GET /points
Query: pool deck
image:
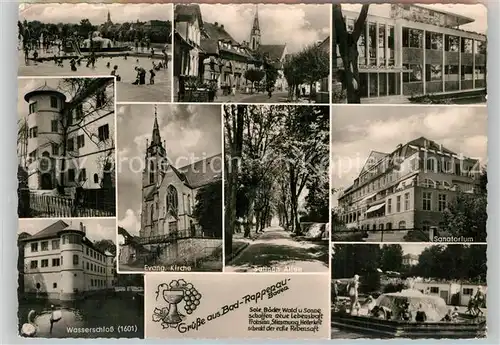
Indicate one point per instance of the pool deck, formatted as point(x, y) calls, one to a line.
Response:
point(126, 91)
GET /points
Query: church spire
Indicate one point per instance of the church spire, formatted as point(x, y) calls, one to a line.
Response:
point(256, 26)
point(109, 17)
point(255, 33)
point(155, 138)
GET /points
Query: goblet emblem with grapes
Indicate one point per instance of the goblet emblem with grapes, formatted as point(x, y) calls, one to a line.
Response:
point(173, 293)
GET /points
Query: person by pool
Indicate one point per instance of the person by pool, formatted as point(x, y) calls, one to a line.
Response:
point(141, 76)
point(152, 77)
point(115, 73)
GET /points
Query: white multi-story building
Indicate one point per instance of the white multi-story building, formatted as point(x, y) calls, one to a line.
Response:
point(70, 142)
point(60, 262)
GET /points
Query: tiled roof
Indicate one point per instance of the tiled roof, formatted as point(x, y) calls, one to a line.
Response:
point(212, 34)
point(217, 32)
point(203, 172)
point(210, 47)
point(420, 142)
point(50, 231)
point(273, 51)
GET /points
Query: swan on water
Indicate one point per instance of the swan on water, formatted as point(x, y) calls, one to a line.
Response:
point(30, 328)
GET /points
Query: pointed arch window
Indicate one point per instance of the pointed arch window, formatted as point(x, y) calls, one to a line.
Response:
point(172, 201)
point(151, 172)
point(152, 214)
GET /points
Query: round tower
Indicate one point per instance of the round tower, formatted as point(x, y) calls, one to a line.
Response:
point(72, 281)
point(43, 126)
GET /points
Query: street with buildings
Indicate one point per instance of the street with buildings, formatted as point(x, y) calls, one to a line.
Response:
point(217, 63)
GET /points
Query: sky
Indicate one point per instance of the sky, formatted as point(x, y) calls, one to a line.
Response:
point(477, 12)
point(297, 26)
point(97, 229)
point(96, 13)
point(191, 132)
point(356, 131)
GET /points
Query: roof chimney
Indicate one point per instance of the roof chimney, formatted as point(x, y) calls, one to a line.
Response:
point(425, 143)
point(440, 147)
point(82, 228)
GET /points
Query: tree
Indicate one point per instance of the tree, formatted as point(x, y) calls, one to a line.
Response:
point(208, 209)
point(233, 123)
point(349, 259)
point(308, 66)
point(88, 101)
point(457, 261)
point(467, 216)
point(254, 75)
point(391, 257)
point(86, 28)
point(348, 48)
point(106, 246)
point(271, 74)
point(316, 200)
point(305, 150)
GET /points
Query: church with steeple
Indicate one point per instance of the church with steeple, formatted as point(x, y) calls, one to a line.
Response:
point(169, 191)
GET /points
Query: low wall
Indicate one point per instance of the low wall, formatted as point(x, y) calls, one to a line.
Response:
point(189, 250)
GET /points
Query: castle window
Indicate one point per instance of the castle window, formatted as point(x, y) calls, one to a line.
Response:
point(172, 201)
point(45, 262)
point(53, 102)
point(45, 245)
point(75, 260)
point(402, 225)
point(56, 262)
point(55, 149)
point(80, 141)
point(83, 175)
point(54, 285)
point(54, 126)
point(34, 247)
point(78, 112)
point(103, 132)
point(96, 178)
point(34, 264)
point(33, 107)
point(100, 99)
